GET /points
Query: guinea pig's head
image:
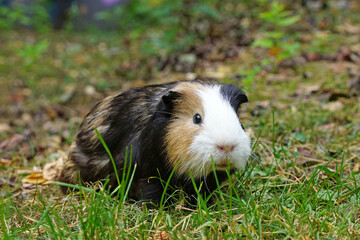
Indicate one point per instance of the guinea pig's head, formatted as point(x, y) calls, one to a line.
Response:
point(204, 126)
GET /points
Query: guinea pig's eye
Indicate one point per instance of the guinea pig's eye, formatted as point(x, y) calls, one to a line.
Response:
point(197, 119)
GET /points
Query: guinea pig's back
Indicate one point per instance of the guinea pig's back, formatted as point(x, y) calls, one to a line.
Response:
point(120, 119)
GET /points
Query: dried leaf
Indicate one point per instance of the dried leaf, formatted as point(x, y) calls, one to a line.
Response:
point(54, 142)
point(333, 106)
point(307, 156)
point(139, 83)
point(348, 28)
point(331, 95)
point(314, 56)
point(343, 54)
point(218, 73)
point(356, 167)
point(275, 51)
point(16, 97)
point(308, 90)
point(52, 114)
point(237, 217)
point(51, 170)
point(276, 78)
point(4, 127)
point(4, 162)
point(327, 127)
point(26, 118)
point(12, 142)
point(330, 127)
point(340, 67)
point(35, 178)
point(290, 62)
point(355, 47)
point(161, 236)
point(17, 143)
point(90, 90)
point(69, 93)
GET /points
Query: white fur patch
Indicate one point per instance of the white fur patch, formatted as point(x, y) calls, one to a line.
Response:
point(102, 129)
point(101, 163)
point(220, 127)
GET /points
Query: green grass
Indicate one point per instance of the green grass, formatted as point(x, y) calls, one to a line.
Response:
point(273, 198)
point(264, 204)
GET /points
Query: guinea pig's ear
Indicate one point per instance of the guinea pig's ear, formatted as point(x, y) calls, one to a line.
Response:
point(234, 95)
point(239, 99)
point(169, 98)
point(242, 98)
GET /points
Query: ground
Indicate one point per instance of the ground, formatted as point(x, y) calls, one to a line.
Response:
point(303, 118)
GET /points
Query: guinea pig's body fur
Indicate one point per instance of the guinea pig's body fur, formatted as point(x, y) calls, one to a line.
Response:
point(183, 125)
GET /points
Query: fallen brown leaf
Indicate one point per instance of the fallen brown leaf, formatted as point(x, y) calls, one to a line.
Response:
point(276, 78)
point(17, 143)
point(4, 162)
point(139, 83)
point(355, 47)
point(217, 73)
point(290, 62)
point(340, 67)
point(22, 171)
point(348, 28)
point(52, 114)
point(51, 170)
point(306, 152)
point(161, 236)
point(238, 216)
point(54, 142)
point(333, 106)
point(308, 90)
point(12, 142)
point(356, 167)
point(330, 127)
point(4, 127)
point(35, 178)
point(69, 93)
point(327, 127)
point(16, 97)
point(314, 56)
point(307, 157)
point(90, 90)
point(331, 95)
point(343, 54)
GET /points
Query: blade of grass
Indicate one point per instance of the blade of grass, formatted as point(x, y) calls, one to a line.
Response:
point(109, 153)
point(4, 228)
point(167, 185)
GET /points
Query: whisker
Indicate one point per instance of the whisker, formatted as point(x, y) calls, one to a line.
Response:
point(205, 177)
point(255, 157)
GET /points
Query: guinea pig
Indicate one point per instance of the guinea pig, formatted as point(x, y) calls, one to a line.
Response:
point(184, 127)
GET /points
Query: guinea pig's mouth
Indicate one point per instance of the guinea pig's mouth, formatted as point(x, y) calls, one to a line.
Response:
point(223, 164)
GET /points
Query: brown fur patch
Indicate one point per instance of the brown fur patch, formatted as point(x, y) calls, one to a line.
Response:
point(181, 130)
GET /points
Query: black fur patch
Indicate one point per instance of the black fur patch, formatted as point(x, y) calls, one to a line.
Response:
point(234, 95)
point(169, 98)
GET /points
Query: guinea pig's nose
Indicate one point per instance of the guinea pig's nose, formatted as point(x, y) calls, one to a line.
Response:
point(226, 148)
